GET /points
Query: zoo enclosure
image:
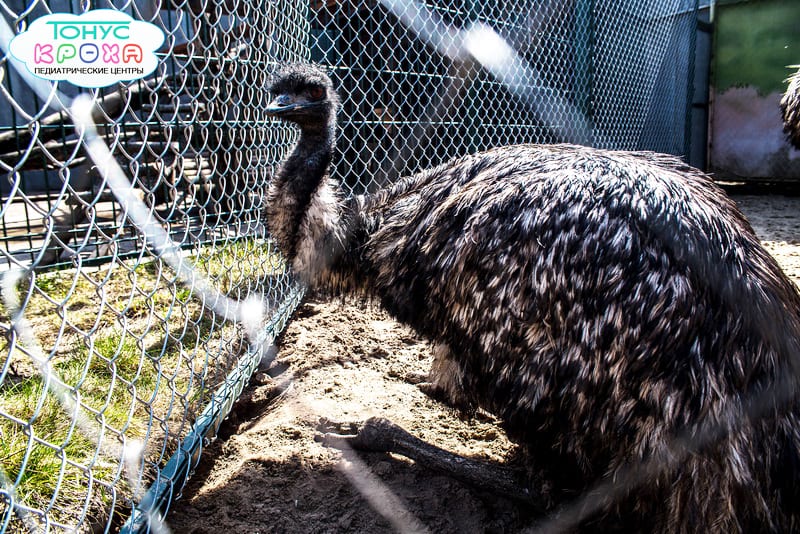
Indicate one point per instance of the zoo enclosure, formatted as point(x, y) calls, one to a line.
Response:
point(108, 348)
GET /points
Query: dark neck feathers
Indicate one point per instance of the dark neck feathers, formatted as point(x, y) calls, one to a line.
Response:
point(304, 206)
point(307, 166)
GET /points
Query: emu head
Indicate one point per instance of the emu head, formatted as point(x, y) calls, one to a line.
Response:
point(303, 94)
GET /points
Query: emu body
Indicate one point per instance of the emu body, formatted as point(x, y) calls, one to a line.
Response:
point(600, 303)
point(790, 110)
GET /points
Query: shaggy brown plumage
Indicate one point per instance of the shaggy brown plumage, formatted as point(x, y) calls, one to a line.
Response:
point(790, 109)
point(601, 303)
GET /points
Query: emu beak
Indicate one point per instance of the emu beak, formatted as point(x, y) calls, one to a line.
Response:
point(280, 105)
point(286, 104)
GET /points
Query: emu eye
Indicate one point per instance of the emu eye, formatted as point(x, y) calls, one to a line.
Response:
point(316, 93)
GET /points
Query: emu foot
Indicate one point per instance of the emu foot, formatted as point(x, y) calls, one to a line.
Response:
point(435, 391)
point(381, 435)
point(432, 390)
point(416, 377)
point(423, 382)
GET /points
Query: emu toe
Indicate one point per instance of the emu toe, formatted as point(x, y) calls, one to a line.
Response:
point(375, 434)
point(416, 377)
point(430, 388)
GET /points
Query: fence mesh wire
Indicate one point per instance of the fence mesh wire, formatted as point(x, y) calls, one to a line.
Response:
point(620, 69)
point(138, 353)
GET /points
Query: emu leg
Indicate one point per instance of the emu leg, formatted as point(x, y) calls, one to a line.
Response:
point(377, 434)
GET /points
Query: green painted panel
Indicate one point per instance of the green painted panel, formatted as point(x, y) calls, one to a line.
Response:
point(754, 43)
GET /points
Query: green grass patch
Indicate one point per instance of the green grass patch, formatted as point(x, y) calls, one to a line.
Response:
point(139, 356)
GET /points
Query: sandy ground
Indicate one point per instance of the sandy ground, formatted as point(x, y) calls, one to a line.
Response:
point(347, 362)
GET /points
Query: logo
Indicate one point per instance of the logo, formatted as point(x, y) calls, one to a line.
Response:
point(93, 49)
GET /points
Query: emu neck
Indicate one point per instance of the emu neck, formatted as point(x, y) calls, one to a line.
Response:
point(307, 166)
point(304, 208)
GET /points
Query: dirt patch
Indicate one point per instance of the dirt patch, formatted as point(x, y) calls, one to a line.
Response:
point(347, 362)
point(776, 220)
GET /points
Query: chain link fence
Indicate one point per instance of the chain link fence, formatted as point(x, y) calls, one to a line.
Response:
point(608, 73)
point(106, 351)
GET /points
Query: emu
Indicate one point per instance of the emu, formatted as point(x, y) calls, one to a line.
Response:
point(790, 108)
point(611, 308)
